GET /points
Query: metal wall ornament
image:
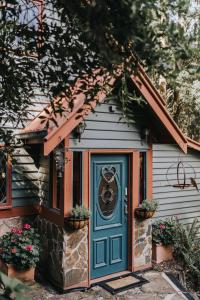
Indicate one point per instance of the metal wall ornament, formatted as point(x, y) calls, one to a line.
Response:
point(183, 179)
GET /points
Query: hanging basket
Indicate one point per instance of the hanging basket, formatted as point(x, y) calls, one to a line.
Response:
point(142, 213)
point(76, 223)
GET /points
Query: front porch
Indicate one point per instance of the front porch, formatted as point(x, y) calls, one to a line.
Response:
point(158, 288)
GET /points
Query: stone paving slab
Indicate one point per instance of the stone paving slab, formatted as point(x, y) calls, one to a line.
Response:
point(157, 289)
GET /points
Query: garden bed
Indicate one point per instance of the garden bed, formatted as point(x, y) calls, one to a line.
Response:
point(174, 268)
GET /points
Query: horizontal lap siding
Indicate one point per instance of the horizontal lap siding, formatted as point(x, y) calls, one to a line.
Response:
point(106, 130)
point(37, 104)
point(24, 179)
point(39, 100)
point(173, 201)
point(30, 178)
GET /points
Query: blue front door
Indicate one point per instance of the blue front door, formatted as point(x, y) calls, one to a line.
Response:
point(109, 224)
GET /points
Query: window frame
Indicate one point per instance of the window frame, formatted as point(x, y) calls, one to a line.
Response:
point(8, 204)
point(55, 203)
point(143, 174)
point(77, 188)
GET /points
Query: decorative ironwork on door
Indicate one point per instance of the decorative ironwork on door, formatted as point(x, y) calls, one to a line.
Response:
point(108, 191)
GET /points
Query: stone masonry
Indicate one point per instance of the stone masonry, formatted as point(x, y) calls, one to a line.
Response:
point(64, 256)
point(142, 243)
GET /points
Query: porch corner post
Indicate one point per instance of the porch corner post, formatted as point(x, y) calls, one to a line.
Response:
point(149, 173)
point(135, 196)
point(142, 240)
point(86, 175)
point(86, 201)
point(68, 180)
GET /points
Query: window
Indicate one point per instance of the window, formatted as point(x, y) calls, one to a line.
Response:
point(22, 19)
point(143, 176)
point(57, 176)
point(56, 182)
point(5, 181)
point(77, 178)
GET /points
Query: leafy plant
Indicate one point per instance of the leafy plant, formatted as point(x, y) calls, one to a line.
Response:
point(80, 212)
point(187, 250)
point(164, 34)
point(12, 288)
point(163, 231)
point(149, 204)
point(20, 247)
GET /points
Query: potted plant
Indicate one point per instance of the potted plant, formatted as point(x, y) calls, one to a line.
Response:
point(19, 252)
point(147, 209)
point(163, 233)
point(79, 217)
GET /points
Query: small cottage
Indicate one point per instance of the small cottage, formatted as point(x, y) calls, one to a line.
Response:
point(96, 158)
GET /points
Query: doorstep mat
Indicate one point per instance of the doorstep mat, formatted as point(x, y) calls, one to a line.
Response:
point(123, 283)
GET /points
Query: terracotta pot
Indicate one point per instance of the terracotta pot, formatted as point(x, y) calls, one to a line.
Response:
point(75, 224)
point(11, 271)
point(161, 253)
point(143, 214)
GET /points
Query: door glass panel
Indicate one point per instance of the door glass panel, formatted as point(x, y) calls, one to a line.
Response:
point(108, 191)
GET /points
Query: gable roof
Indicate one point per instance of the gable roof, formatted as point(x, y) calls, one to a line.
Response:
point(193, 144)
point(67, 122)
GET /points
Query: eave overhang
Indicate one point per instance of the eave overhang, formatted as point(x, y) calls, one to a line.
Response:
point(66, 124)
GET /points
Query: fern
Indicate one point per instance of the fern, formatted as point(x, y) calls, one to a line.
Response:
point(187, 250)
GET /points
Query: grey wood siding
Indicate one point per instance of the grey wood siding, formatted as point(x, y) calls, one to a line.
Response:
point(29, 178)
point(24, 179)
point(173, 201)
point(109, 131)
point(38, 102)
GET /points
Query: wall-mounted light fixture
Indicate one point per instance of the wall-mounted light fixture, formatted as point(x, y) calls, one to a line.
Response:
point(79, 130)
point(59, 159)
point(145, 134)
point(111, 109)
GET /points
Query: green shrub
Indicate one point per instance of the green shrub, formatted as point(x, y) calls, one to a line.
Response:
point(12, 288)
point(80, 212)
point(163, 231)
point(149, 204)
point(187, 250)
point(20, 247)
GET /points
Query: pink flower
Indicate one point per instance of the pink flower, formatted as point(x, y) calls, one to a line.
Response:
point(27, 226)
point(14, 230)
point(29, 248)
point(162, 226)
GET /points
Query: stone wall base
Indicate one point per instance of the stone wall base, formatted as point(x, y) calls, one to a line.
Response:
point(64, 257)
point(142, 243)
